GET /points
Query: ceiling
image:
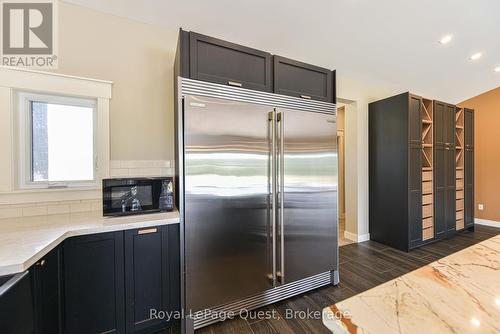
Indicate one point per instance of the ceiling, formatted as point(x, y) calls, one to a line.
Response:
point(392, 42)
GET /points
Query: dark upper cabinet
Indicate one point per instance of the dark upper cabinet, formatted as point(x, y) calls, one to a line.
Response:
point(47, 296)
point(215, 60)
point(302, 80)
point(16, 304)
point(94, 284)
point(148, 258)
point(210, 59)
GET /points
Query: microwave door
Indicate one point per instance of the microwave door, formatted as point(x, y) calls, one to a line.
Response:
point(226, 208)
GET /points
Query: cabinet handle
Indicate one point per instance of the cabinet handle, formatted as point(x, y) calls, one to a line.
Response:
point(307, 97)
point(234, 83)
point(147, 231)
point(41, 263)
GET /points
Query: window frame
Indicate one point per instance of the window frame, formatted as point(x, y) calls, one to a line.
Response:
point(25, 149)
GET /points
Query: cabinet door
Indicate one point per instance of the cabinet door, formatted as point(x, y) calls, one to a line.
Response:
point(16, 304)
point(227, 63)
point(94, 284)
point(147, 277)
point(469, 167)
point(174, 263)
point(450, 167)
point(46, 286)
point(415, 122)
point(302, 80)
point(439, 169)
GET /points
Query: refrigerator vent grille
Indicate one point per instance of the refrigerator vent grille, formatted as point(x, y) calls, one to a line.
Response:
point(201, 88)
point(267, 297)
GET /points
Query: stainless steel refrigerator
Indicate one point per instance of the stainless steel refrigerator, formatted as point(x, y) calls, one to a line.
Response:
point(257, 197)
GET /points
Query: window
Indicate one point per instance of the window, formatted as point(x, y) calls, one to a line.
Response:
point(57, 141)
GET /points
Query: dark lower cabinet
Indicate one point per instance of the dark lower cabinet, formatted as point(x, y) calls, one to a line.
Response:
point(150, 285)
point(16, 304)
point(47, 296)
point(94, 284)
point(100, 283)
point(115, 282)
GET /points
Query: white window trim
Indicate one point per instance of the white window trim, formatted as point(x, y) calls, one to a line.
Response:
point(22, 108)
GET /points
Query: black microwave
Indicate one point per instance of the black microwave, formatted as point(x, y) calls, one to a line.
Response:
point(129, 196)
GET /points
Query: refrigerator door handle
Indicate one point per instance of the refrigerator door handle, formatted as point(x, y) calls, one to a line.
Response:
point(281, 193)
point(274, 187)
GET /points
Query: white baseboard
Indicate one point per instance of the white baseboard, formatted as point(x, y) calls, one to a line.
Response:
point(356, 237)
point(487, 222)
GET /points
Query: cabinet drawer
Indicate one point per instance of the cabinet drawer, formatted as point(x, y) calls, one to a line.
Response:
point(427, 199)
point(460, 215)
point(460, 174)
point(427, 187)
point(303, 80)
point(460, 204)
point(428, 233)
point(460, 224)
point(427, 211)
point(427, 222)
point(426, 176)
point(226, 63)
point(460, 184)
point(460, 194)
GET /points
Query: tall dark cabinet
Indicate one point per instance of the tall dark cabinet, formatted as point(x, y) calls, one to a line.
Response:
point(417, 157)
point(444, 174)
point(468, 167)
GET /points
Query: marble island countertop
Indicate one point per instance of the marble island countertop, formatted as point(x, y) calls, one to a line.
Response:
point(457, 294)
point(25, 240)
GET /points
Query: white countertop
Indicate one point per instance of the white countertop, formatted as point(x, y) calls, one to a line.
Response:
point(25, 240)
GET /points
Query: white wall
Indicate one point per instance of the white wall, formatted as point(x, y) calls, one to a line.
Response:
point(139, 57)
point(356, 155)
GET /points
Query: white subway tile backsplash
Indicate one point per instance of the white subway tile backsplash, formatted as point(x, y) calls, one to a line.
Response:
point(34, 211)
point(89, 202)
point(145, 172)
point(96, 206)
point(11, 212)
point(115, 164)
point(137, 168)
point(81, 207)
point(118, 172)
point(58, 209)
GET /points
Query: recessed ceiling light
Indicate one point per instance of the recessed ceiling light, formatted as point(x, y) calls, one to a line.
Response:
point(497, 69)
point(476, 56)
point(446, 39)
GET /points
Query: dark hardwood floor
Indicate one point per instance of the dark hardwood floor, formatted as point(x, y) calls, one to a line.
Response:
point(362, 266)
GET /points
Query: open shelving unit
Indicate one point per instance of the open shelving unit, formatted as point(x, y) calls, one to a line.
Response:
point(427, 170)
point(459, 163)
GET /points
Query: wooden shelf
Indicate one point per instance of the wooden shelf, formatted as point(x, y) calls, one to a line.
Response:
point(426, 121)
